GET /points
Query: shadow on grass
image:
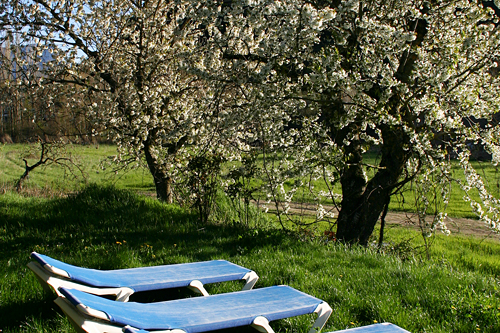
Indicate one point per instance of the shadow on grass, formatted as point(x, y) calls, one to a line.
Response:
point(106, 228)
point(106, 216)
point(15, 315)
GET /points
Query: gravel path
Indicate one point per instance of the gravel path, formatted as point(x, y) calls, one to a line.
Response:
point(463, 226)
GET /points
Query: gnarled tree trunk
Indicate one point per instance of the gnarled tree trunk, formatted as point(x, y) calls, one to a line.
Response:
point(163, 182)
point(364, 200)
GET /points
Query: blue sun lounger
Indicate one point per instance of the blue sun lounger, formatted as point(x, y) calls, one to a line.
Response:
point(375, 328)
point(124, 282)
point(257, 307)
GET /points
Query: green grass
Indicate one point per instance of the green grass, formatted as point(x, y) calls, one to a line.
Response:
point(466, 252)
point(107, 228)
point(93, 160)
point(457, 207)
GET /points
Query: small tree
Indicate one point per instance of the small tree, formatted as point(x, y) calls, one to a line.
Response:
point(203, 182)
point(240, 189)
point(50, 153)
point(131, 57)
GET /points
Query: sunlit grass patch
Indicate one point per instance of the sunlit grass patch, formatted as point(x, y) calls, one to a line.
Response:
point(93, 166)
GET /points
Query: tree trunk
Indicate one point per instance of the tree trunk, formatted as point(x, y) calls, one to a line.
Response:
point(163, 187)
point(28, 169)
point(363, 201)
point(163, 182)
point(359, 214)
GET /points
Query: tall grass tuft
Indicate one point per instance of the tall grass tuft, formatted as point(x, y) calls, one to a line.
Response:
point(236, 212)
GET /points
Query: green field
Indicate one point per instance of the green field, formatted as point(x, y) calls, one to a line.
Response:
point(405, 201)
point(94, 161)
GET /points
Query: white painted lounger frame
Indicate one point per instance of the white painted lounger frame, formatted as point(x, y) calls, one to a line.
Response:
point(88, 320)
point(55, 278)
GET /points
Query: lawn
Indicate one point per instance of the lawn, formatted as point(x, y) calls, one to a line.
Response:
point(93, 163)
point(456, 290)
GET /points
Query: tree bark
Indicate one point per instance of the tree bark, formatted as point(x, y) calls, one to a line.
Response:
point(163, 182)
point(364, 201)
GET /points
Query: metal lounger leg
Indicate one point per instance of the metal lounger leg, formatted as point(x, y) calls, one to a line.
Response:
point(197, 286)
